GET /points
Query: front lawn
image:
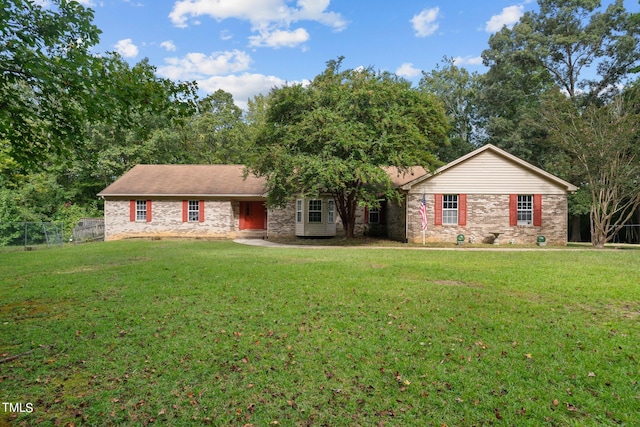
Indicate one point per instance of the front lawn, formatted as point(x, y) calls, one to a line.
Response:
point(198, 332)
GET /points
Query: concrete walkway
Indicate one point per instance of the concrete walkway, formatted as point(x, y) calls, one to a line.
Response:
point(477, 247)
point(259, 242)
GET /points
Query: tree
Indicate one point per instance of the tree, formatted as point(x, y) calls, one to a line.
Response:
point(555, 47)
point(605, 143)
point(219, 132)
point(569, 37)
point(142, 121)
point(46, 87)
point(458, 90)
point(335, 135)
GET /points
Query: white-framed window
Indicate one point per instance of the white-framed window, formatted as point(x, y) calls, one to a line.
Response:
point(374, 215)
point(525, 209)
point(449, 209)
point(299, 211)
point(193, 213)
point(141, 210)
point(315, 210)
point(331, 211)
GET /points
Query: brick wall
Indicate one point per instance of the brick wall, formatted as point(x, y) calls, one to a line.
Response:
point(220, 220)
point(282, 222)
point(489, 213)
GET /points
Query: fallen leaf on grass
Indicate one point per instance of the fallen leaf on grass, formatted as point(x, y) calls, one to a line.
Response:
point(571, 408)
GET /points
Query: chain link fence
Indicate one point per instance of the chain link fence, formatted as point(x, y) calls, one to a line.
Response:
point(31, 235)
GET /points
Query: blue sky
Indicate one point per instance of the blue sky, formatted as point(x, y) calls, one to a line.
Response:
point(246, 47)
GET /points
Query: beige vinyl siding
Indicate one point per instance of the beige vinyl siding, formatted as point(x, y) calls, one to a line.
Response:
point(315, 229)
point(488, 173)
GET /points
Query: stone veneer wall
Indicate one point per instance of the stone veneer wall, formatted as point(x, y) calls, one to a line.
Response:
point(220, 220)
point(489, 213)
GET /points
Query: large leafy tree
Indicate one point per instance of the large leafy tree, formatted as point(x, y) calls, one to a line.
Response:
point(46, 69)
point(143, 121)
point(586, 51)
point(335, 135)
point(573, 46)
point(218, 132)
point(458, 90)
point(605, 144)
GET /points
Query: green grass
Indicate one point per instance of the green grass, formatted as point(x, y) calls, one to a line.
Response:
point(196, 332)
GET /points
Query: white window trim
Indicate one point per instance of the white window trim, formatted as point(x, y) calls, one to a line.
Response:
point(141, 210)
point(299, 212)
point(314, 211)
point(331, 211)
point(523, 210)
point(448, 212)
point(193, 215)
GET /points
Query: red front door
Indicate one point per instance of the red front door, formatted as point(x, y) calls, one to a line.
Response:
point(253, 216)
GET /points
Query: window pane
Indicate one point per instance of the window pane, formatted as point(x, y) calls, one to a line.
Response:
point(374, 216)
point(449, 208)
point(194, 211)
point(141, 210)
point(330, 212)
point(299, 211)
point(525, 209)
point(315, 210)
point(449, 216)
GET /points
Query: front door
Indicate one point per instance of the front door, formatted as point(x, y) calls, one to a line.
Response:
point(253, 216)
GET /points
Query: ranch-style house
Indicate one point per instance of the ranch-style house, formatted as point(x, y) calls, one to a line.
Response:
point(485, 195)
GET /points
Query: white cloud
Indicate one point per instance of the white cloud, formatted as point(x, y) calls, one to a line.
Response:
point(195, 66)
point(243, 87)
point(509, 16)
point(425, 23)
point(126, 48)
point(169, 45)
point(271, 19)
point(258, 12)
point(222, 70)
point(225, 35)
point(408, 70)
point(467, 60)
point(279, 38)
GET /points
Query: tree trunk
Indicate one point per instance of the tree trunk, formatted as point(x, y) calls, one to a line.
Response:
point(346, 206)
point(598, 231)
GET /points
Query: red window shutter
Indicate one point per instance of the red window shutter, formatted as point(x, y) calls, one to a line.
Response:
point(513, 210)
point(201, 213)
point(132, 210)
point(537, 210)
point(462, 209)
point(366, 215)
point(148, 210)
point(438, 209)
point(185, 211)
